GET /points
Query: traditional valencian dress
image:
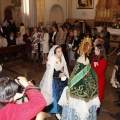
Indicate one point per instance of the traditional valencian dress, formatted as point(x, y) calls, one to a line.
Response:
point(51, 85)
point(80, 99)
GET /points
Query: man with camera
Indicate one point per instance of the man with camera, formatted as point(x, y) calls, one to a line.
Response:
point(9, 94)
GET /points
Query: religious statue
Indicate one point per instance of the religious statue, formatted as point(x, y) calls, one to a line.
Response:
point(82, 89)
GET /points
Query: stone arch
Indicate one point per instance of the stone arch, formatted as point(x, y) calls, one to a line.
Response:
point(56, 14)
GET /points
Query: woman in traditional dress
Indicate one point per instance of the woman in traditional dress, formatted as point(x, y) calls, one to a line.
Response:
point(54, 79)
point(80, 99)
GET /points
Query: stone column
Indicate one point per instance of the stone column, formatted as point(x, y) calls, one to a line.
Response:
point(33, 12)
point(40, 11)
point(69, 8)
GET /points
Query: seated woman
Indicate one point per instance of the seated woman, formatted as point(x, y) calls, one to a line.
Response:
point(80, 99)
point(54, 79)
point(19, 39)
point(8, 96)
point(3, 41)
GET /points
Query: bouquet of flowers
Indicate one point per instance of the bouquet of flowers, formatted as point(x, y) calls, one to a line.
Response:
point(116, 23)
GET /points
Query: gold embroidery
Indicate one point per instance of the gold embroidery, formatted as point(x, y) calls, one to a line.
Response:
point(90, 86)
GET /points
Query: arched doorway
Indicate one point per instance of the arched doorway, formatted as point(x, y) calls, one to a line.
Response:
point(56, 14)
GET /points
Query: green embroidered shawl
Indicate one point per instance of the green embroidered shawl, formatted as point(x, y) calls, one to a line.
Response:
point(83, 82)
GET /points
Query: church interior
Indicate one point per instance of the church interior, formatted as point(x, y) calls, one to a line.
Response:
point(30, 13)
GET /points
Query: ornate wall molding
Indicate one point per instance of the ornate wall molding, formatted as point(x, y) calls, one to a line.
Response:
point(106, 10)
point(16, 3)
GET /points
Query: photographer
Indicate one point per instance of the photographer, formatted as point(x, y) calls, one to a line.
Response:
point(8, 96)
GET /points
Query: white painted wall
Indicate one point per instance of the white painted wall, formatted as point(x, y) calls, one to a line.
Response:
point(50, 3)
point(83, 13)
point(76, 13)
point(15, 11)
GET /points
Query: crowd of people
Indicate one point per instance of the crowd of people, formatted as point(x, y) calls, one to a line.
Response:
point(77, 48)
point(40, 39)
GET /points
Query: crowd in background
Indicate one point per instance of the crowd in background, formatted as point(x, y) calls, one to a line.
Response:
point(40, 39)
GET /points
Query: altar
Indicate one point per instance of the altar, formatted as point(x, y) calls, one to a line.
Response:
point(114, 36)
point(108, 14)
point(112, 31)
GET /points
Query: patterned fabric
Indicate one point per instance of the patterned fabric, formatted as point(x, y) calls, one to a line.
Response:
point(83, 82)
point(35, 40)
point(57, 89)
point(69, 113)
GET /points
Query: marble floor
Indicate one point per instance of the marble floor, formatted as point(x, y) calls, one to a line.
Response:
point(36, 70)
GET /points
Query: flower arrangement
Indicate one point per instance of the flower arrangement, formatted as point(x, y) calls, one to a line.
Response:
point(116, 23)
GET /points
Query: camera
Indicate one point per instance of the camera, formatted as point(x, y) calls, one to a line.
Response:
point(21, 87)
point(33, 82)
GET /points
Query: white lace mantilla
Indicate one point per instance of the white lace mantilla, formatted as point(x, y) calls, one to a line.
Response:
point(83, 60)
point(81, 107)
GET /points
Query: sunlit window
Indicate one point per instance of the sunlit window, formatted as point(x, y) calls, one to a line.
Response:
point(26, 6)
